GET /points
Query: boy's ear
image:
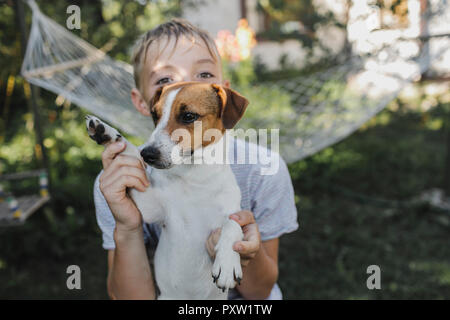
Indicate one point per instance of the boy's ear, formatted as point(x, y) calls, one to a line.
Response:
point(232, 106)
point(139, 102)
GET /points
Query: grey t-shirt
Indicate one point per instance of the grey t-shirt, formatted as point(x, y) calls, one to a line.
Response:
point(269, 196)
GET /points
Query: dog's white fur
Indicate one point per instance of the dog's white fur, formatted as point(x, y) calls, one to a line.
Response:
point(189, 201)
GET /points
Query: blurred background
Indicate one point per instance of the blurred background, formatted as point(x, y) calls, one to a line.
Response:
point(372, 190)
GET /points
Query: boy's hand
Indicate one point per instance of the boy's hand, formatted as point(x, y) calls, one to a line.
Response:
point(249, 246)
point(122, 172)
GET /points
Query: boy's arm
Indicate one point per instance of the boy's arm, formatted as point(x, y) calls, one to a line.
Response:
point(129, 274)
point(260, 275)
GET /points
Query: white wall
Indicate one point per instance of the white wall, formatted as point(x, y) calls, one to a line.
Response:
point(363, 29)
point(214, 15)
point(365, 33)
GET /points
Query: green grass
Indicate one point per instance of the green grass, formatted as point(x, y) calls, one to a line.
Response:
point(346, 224)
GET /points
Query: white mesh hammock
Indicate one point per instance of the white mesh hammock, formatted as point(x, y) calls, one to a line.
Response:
point(312, 112)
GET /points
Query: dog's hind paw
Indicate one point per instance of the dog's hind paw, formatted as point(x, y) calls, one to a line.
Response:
point(227, 268)
point(100, 132)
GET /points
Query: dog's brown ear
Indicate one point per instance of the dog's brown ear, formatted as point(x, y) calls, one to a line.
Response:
point(232, 106)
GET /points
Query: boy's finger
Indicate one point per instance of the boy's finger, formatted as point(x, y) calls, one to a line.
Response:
point(246, 247)
point(251, 233)
point(210, 248)
point(128, 171)
point(243, 217)
point(121, 161)
point(130, 182)
point(214, 236)
point(212, 241)
point(131, 161)
point(111, 152)
point(251, 242)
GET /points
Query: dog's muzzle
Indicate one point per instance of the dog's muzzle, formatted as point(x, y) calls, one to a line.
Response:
point(154, 158)
point(151, 155)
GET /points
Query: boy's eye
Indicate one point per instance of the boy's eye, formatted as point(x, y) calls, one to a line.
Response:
point(206, 75)
point(163, 81)
point(188, 117)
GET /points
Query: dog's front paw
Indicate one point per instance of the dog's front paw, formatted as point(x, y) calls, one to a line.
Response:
point(227, 269)
point(100, 132)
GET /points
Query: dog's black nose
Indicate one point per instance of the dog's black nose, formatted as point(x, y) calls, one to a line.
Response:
point(150, 154)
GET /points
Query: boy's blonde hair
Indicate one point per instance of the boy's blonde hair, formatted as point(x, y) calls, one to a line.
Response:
point(174, 28)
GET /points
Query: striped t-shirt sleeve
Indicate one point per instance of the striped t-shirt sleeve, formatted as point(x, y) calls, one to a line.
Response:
point(273, 203)
point(105, 219)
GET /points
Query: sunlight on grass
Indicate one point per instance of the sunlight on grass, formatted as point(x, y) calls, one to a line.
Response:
point(361, 297)
point(2, 264)
point(434, 124)
point(383, 119)
point(439, 270)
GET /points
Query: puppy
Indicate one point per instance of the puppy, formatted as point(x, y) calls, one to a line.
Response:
point(188, 200)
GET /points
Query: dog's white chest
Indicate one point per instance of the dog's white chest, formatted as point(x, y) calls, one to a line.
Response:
point(193, 207)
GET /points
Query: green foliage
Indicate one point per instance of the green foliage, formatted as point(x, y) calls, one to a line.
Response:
point(240, 73)
point(269, 106)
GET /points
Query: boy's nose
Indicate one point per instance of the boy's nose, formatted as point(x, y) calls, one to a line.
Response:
point(150, 154)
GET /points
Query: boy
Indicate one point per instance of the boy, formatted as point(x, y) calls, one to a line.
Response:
point(178, 51)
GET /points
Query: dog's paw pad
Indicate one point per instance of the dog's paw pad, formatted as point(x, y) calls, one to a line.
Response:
point(100, 132)
point(227, 269)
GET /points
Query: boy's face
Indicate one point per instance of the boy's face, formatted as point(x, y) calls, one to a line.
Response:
point(168, 62)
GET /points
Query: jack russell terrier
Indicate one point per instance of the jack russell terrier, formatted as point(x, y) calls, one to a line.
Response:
point(188, 200)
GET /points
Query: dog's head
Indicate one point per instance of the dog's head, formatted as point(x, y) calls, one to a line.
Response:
point(180, 110)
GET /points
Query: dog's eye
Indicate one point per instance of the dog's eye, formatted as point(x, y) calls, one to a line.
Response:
point(188, 117)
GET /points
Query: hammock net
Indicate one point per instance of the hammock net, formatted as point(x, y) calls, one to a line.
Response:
point(312, 112)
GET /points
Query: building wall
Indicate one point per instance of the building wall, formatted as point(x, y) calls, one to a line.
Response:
point(367, 35)
point(214, 15)
point(363, 30)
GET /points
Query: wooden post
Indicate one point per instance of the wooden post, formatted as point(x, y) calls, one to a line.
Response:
point(20, 17)
point(424, 31)
point(243, 6)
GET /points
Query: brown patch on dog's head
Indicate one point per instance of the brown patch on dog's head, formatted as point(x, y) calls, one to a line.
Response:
point(216, 107)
